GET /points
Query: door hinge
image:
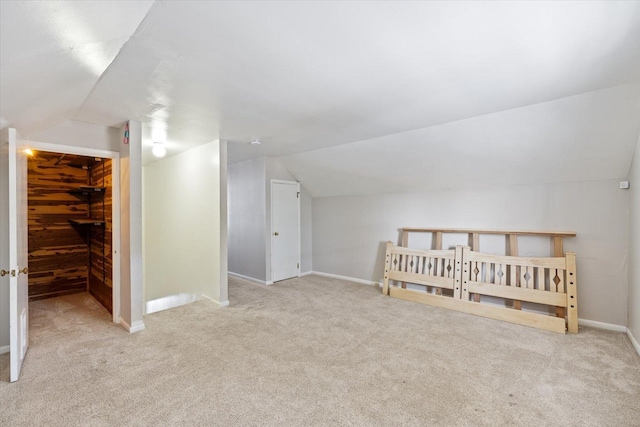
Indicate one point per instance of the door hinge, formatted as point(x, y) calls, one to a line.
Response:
point(298, 195)
point(298, 265)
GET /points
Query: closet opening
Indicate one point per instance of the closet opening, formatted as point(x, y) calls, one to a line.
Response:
point(70, 231)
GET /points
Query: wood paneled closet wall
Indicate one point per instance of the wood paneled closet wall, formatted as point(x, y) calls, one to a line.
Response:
point(70, 226)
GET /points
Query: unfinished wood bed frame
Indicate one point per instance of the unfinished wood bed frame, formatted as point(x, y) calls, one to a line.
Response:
point(460, 273)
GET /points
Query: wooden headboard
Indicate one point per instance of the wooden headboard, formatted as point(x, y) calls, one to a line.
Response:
point(460, 273)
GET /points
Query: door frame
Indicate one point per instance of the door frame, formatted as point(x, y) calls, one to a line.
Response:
point(271, 240)
point(115, 205)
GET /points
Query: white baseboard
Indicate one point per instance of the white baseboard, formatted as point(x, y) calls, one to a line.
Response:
point(218, 303)
point(306, 273)
point(138, 326)
point(170, 301)
point(4, 349)
point(602, 325)
point(251, 279)
point(633, 340)
point(350, 279)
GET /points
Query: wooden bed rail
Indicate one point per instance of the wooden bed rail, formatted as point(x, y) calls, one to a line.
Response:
point(458, 274)
point(511, 236)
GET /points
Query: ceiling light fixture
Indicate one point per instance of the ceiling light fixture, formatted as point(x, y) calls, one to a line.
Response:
point(256, 142)
point(158, 149)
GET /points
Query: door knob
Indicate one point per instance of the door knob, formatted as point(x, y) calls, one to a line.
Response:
point(4, 273)
point(276, 234)
point(23, 271)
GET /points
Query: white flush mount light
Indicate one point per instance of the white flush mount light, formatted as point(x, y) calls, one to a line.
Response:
point(158, 149)
point(256, 142)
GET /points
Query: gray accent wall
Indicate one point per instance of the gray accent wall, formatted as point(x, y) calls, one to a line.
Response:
point(249, 187)
point(349, 232)
point(247, 218)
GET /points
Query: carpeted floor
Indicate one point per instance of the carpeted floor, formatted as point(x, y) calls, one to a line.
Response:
point(314, 351)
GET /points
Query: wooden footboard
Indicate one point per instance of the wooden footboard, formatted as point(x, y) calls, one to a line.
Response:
point(546, 281)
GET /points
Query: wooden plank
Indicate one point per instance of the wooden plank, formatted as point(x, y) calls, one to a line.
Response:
point(438, 240)
point(424, 252)
point(512, 242)
point(475, 242)
point(519, 261)
point(572, 293)
point(475, 246)
point(488, 231)
point(421, 279)
point(539, 321)
point(558, 251)
point(523, 279)
point(541, 282)
point(502, 278)
point(405, 239)
point(387, 269)
point(521, 294)
point(462, 273)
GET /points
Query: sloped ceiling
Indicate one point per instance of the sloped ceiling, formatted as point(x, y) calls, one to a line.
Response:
point(53, 53)
point(304, 76)
point(584, 137)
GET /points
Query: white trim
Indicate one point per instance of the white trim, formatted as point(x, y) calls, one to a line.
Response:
point(5, 349)
point(602, 325)
point(297, 184)
point(251, 279)
point(169, 302)
point(70, 149)
point(115, 207)
point(306, 273)
point(138, 326)
point(350, 279)
point(633, 340)
point(218, 303)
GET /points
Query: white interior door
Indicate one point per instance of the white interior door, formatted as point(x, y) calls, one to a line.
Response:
point(285, 230)
point(14, 245)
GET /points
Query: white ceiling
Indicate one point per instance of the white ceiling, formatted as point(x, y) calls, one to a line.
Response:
point(301, 76)
point(591, 136)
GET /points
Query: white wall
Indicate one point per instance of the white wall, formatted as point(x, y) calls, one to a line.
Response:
point(131, 274)
point(349, 232)
point(634, 246)
point(183, 223)
point(306, 231)
point(81, 134)
point(247, 218)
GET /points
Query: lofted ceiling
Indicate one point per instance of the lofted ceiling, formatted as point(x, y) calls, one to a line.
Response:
point(302, 76)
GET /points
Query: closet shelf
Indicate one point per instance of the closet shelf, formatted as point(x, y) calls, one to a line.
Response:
point(87, 221)
point(87, 190)
point(84, 162)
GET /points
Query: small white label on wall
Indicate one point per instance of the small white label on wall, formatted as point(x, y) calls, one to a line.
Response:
point(624, 185)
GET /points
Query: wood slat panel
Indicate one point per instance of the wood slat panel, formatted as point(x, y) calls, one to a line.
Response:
point(100, 284)
point(57, 252)
point(522, 294)
point(420, 279)
point(559, 263)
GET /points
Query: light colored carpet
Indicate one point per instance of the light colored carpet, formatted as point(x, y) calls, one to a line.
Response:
point(314, 351)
